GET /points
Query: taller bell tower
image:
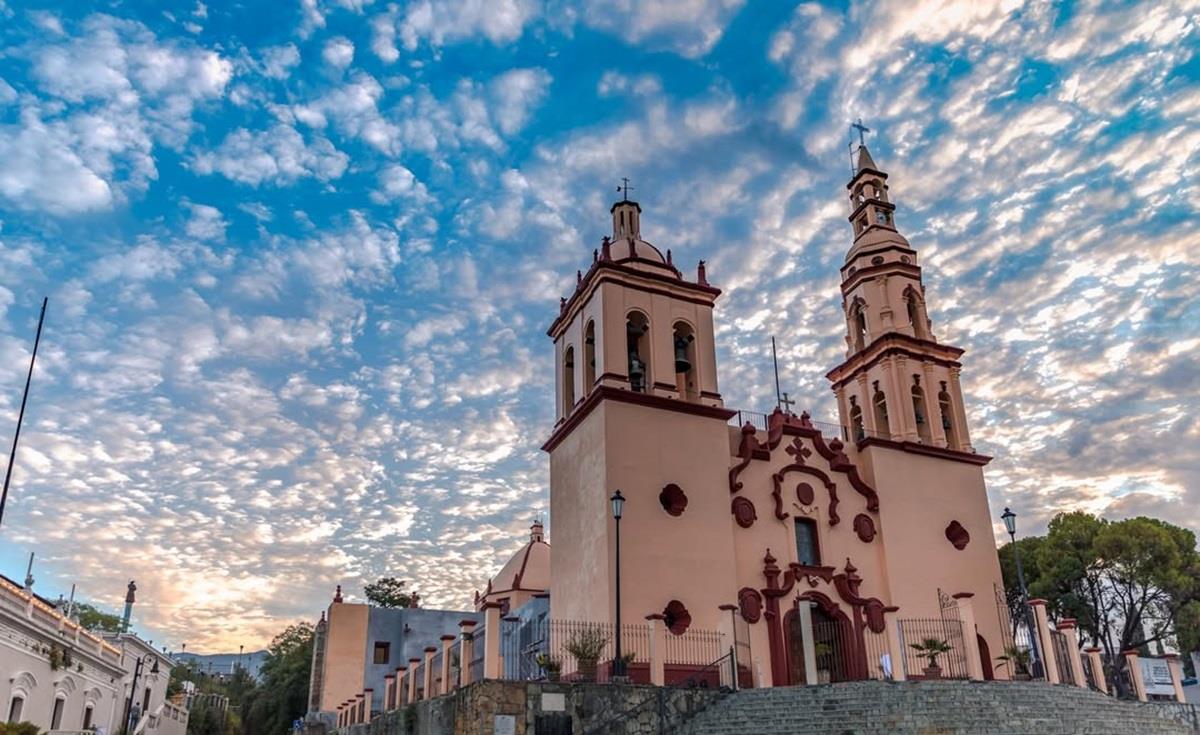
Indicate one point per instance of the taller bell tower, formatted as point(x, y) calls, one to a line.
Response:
point(898, 382)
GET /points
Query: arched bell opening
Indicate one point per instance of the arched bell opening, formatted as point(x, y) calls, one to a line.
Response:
point(683, 339)
point(589, 357)
point(879, 401)
point(856, 420)
point(568, 381)
point(637, 343)
point(918, 404)
point(858, 325)
point(945, 408)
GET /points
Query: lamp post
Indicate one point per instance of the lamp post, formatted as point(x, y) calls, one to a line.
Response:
point(137, 672)
point(1010, 525)
point(618, 507)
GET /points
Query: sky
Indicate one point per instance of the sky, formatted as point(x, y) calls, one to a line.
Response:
point(301, 256)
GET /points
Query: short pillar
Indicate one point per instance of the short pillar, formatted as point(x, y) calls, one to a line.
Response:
point(1045, 643)
point(360, 717)
point(447, 644)
point(491, 640)
point(368, 704)
point(1176, 667)
point(966, 616)
point(1097, 665)
point(895, 650)
point(467, 653)
point(658, 649)
point(398, 693)
point(804, 610)
point(1067, 626)
point(414, 665)
point(429, 693)
point(1135, 673)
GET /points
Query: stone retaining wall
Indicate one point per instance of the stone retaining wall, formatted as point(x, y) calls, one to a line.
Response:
point(576, 708)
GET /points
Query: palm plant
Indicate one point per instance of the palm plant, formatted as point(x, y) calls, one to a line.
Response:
point(930, 649)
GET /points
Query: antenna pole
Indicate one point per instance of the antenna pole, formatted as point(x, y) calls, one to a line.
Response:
point(12, 454)
point(775, 362)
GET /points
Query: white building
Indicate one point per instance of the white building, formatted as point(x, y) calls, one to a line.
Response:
point(64, 679)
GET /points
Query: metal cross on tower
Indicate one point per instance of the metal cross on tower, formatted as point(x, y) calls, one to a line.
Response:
point(787, 403)
point(625, 188)
point(858, 125)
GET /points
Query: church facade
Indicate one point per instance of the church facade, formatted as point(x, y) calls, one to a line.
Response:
point(769, 528)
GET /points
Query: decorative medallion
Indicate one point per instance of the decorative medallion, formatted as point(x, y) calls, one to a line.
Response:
point(864, 527)
point(673, 499)
point(957, 535)
point(877, 260)
point(874, 610)
point(805, 494)
point(750, 604)
point(676, 617)
point(743, 512)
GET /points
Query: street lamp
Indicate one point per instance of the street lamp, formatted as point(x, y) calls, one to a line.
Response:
point(618, 507)
point(137, 672)
point(1010, 525)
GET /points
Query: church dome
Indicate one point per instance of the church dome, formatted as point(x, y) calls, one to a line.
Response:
point(627, 248)
point(527, 571)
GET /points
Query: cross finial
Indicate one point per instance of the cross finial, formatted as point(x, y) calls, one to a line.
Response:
point(624, 188)
point(787, 403)
point(858, 125)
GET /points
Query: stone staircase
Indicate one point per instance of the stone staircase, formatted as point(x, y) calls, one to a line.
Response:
point(931, 708)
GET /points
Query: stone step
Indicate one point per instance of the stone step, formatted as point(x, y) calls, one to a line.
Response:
point(945, 708)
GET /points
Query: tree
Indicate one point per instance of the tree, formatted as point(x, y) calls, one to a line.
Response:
point(389, 592)
point(282, 696)
point(96, 620)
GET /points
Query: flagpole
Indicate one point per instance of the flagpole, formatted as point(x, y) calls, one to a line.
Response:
point(12, 454)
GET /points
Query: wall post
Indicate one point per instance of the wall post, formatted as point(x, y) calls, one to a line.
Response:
point(491, 641)
point(896, 650)
point(658, 649)
point(1098, 676)
point(447, 644)
point(1135, 673)
point(428, 683)
point(1045, 643)
point(966, 616)
point(1067, 626)
point(467, 653)
point(804, 611)
point(413, 664)
point(1176, 667)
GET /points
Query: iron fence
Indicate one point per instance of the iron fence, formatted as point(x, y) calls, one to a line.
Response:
point(455, 665)
point(478, 644)
point(693, 647)
point(919, 638)
point(1018, 654)
point(879, 663)
point(436, 679)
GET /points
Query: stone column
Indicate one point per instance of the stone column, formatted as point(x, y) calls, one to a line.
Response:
point(398, 694)
point(389, 691)
point(413, 666)
point(960, 411)
point(1098, 677)
point(966, 616)
point(658, 646)
point(1176, 668)
point(491, 641)
point(896, 650)
point(933, 411)
point(466, 652)
point(867, 404)
point(1045, 643)
point(428, 683)
point(1067, 626)
point(804, 611)
point(447, 685)
point(358, 709)
point(368, 704)
point(1135, 673)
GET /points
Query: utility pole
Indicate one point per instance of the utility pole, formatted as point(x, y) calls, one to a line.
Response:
point(12, 454)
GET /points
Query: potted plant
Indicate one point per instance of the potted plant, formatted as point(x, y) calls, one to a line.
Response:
point(1018, 659)
point(930, 649)
point(586, 645)
point(551, 665)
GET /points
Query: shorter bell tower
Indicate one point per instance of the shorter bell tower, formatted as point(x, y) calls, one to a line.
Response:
point(898, 382)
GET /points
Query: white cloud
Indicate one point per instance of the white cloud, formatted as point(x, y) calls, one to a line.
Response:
point(688, 27)
point(277, 61)
point(440, 21)
point(206, 223)
point(515, 94)
point(279, 155)
point(338, 52)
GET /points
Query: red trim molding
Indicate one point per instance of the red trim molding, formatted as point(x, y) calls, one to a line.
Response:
point(1037, 601)
point(931, 451)
point(605, 392)
point(962, 595)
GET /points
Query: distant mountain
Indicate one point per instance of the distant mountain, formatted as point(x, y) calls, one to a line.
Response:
point(223, 663)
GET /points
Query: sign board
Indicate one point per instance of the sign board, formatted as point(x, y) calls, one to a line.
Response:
point(554, 702)
point(505, 725)
point(1157, 676)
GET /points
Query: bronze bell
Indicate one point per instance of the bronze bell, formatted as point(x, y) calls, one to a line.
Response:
point(682, 363)
point(637, 373)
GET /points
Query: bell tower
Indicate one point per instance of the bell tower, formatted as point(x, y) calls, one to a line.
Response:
point(898, 383)
point(637, 409)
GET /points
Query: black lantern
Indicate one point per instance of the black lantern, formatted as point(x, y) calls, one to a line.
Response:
point(1010, 521)
point(618, 504)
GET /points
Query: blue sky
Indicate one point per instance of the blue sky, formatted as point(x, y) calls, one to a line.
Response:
point(301, 257)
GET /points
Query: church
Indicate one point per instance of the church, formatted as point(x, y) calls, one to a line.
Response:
point(812, 553)
point(769, 527)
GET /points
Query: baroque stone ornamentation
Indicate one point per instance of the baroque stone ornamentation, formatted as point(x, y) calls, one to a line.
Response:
point(864, 527)
point(750, 604)
point(743, 512)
